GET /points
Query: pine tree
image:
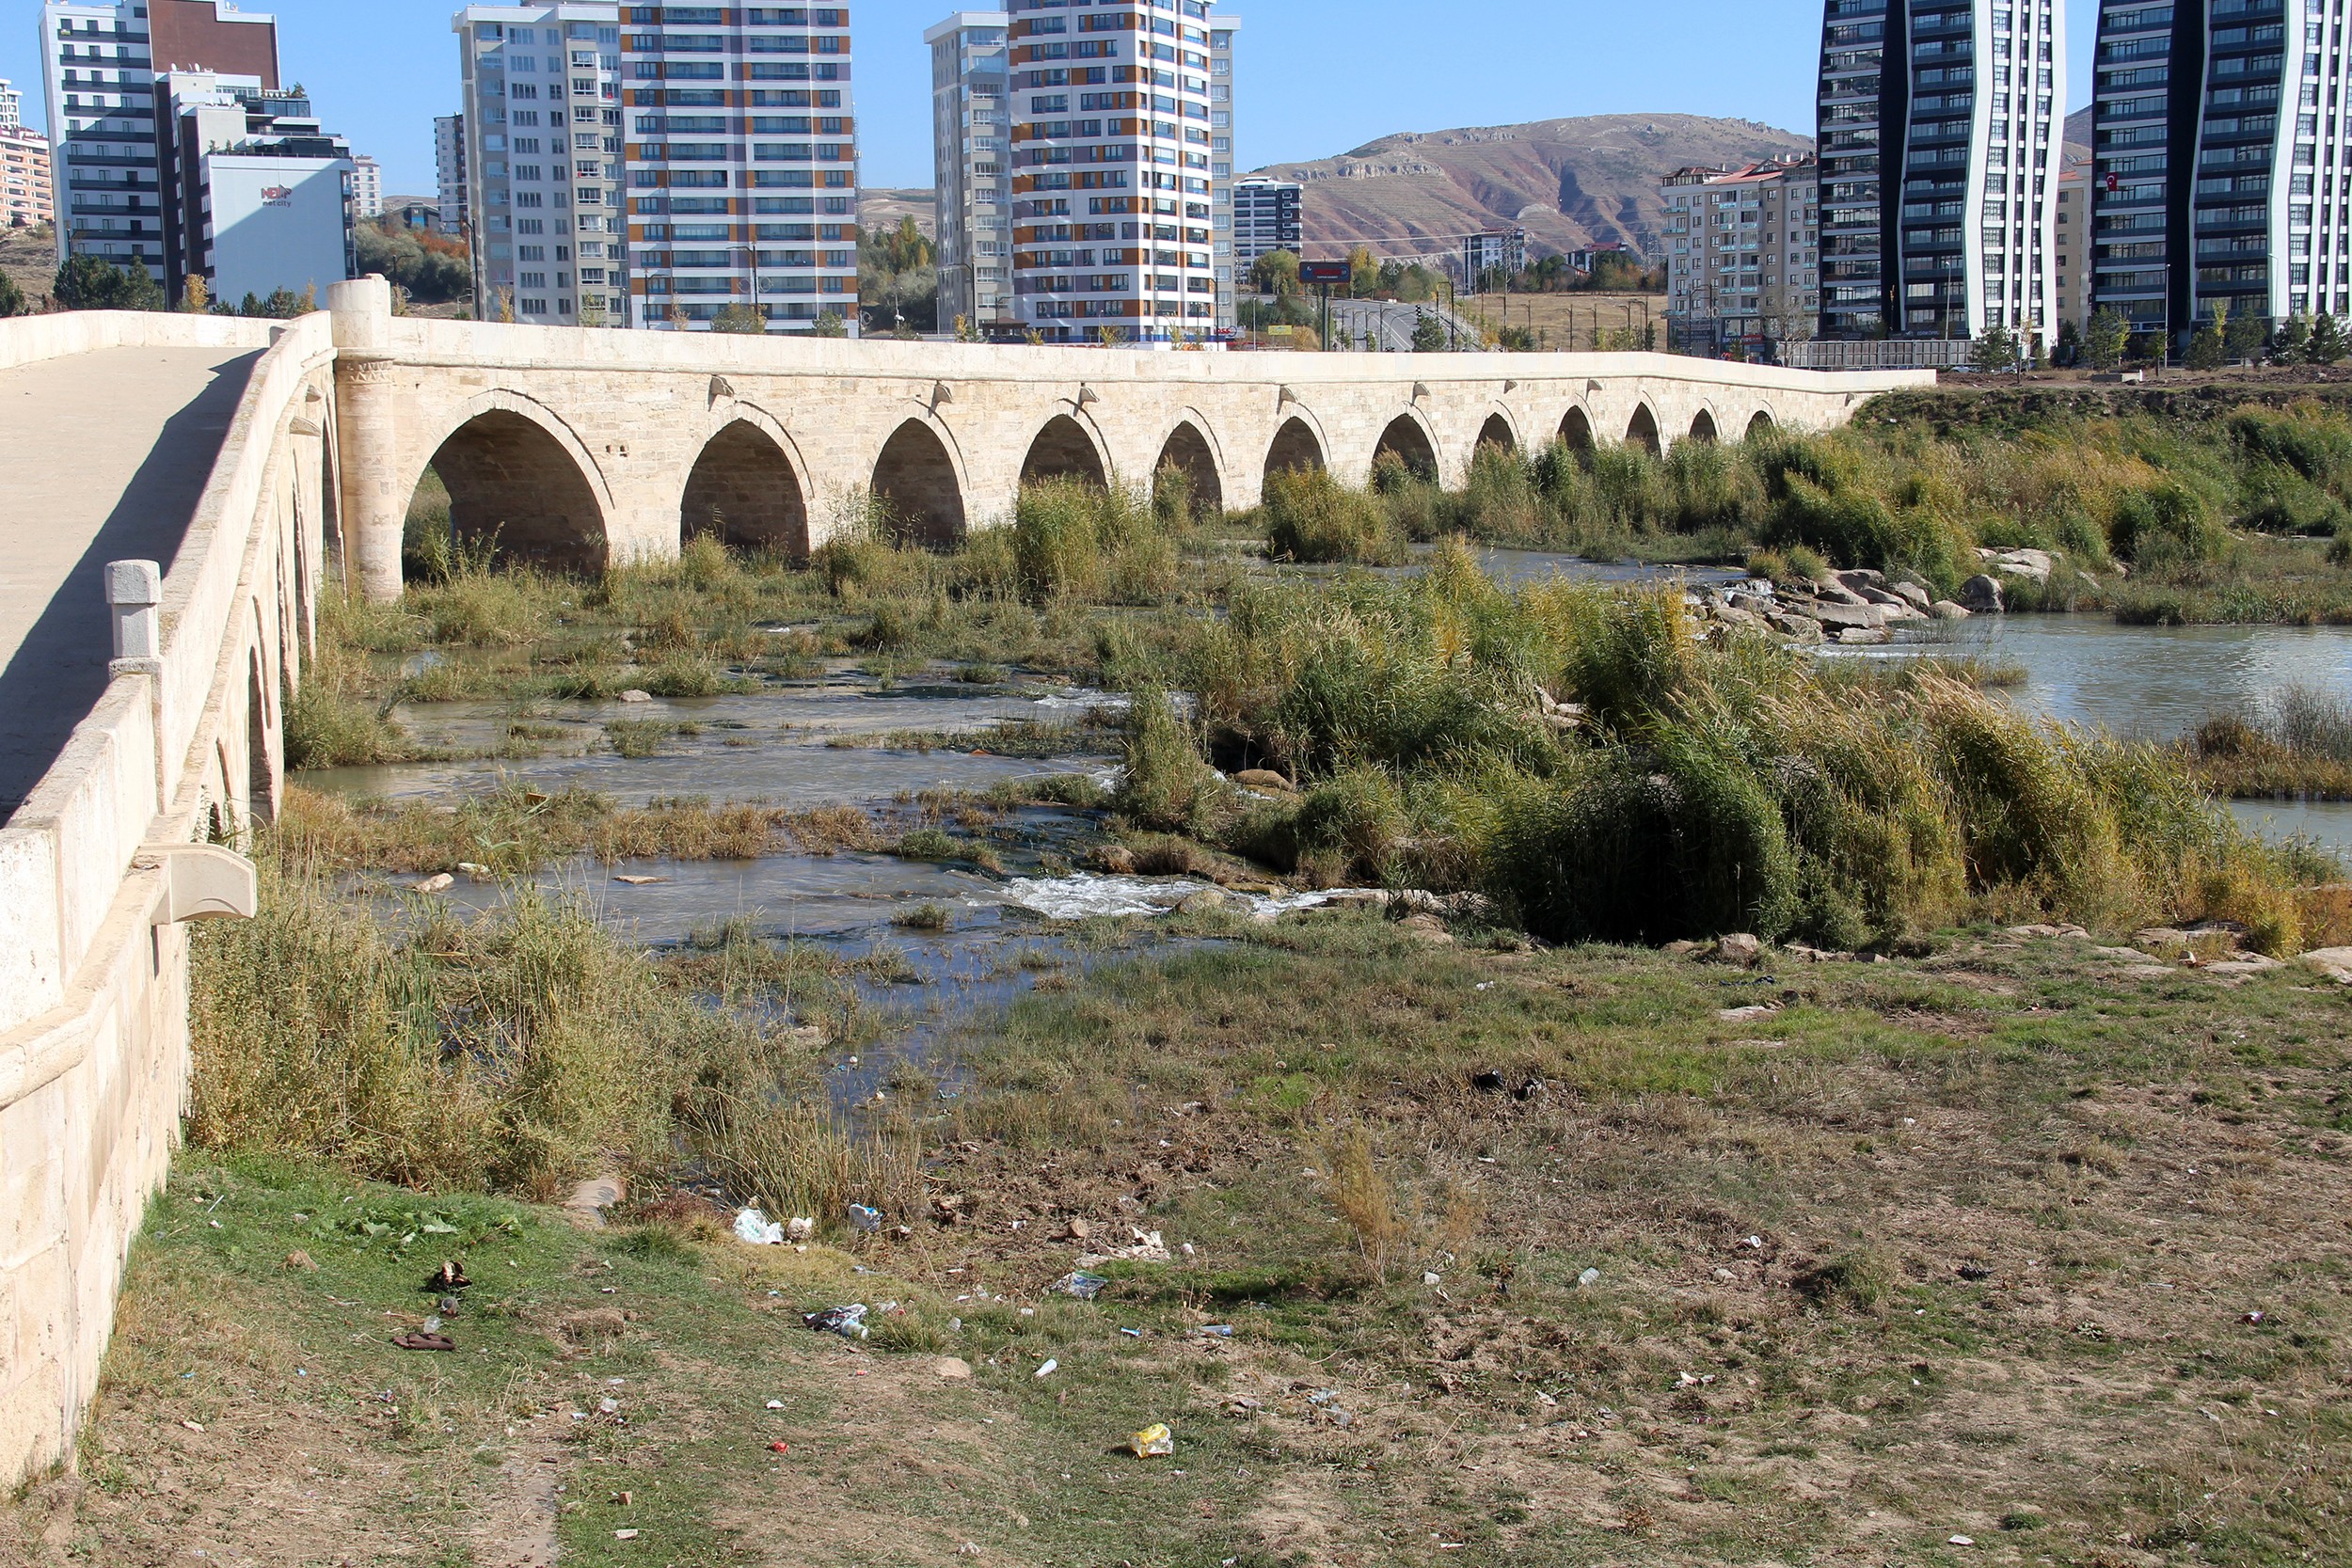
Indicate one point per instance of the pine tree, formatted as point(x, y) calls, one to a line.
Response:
point(2327, 344)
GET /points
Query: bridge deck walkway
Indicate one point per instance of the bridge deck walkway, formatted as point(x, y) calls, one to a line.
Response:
point(102, 457)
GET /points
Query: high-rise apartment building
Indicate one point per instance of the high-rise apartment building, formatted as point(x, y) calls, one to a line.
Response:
point(1266, 219)
point(449, 163)
point(743, 163)
point(972, 165)
point(2222, 170)
point(1939, 138)
point(543, 155)
point(2070, 239)
point(175, 148)
point(11, 107)
point(1222, 31)
point(1742, 255)
point(367, 187)
point(1117, 222)
point(26, 183)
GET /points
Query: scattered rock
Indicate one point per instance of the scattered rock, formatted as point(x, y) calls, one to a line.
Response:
point(1863, 637)
point(2334, 962)
point(1207, 900)
point(955, 1368)
point(635, 696)
point(1426, 927)
point(2129, 955)
point(1739, 948)
point(1981, 596)
point(1859, 615)
point(1115, 858)
point(1264, 778)
point(438, 882)
point(1913, 595)
point(300, 1262)
point(1742, 1015)
point(1943, 610)
point(2250, 963)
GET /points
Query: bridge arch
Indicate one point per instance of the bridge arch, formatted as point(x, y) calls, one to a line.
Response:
point(746, 488)
point(1498, 431)
point(1190, 451)
point(1576, 428)
point(1065, 448)
point(1758, 424)
point(1642, 431)
point(919, 485)
point(1296, 445)
point(1703, 427)
point(518, 474)
point(1411, 442)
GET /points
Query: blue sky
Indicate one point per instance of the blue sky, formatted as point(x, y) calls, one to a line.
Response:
point(1316, 78)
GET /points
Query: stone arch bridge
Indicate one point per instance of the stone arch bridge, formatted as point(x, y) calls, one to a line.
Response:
point(177, 491)
point(580, 448)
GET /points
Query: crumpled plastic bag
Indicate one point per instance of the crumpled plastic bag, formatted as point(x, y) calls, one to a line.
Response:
point(1085, 1286)
point(757, 1228)
point(1153, 1442)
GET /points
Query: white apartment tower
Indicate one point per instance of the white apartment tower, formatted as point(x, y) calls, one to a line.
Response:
point(1266, 217)
point(972, 165)
point(1118, 233)
point(449, 162)
point(743, 164)
point(1940, 134)
point(367, 187)
point(543, 126)
point(101, 60)
point(11, 107)
point(1228, 275)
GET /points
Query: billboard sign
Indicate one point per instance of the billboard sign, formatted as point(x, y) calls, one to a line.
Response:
point(1324, 272)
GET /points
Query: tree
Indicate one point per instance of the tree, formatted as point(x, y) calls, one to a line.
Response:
point(2205, 343)
point(197, 296)
point(1428, 335)
point(739, 318)
point(1997, 349)
point(2105, 339)
point(2242, 337)
point(1363, 272)
point(11, 297)
point(830, 325)
point(2070, 344)
point(1276, 272)
point(2291, 344)
point(2328, 344)
point(90, 283)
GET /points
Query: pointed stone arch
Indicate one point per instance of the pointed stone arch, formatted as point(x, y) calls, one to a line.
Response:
point(1576, 429)
point(916, 484)
point(745, 491)
point(1065, 448)
point(1703, 427)
point(520, 476)
point(1758, 424)
point(1408, 441)
point(1498, 432)
point(1187, 451)
point(1642, 431)
point(1296, 446)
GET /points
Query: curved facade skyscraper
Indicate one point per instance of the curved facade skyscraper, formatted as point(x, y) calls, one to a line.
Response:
point(1940, 132)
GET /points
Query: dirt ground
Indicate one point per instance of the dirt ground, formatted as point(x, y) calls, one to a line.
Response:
point(1525, 1257)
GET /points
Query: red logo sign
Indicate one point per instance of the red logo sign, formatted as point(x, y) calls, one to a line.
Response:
point(2113, 184)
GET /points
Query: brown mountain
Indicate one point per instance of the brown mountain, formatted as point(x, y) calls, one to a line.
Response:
point(1569, 183)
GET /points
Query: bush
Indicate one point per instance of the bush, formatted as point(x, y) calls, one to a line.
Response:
point(1310, 516)
point(1168, 785)
point(2167, 524)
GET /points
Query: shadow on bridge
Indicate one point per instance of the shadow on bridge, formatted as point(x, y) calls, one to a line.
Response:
point(60, 670)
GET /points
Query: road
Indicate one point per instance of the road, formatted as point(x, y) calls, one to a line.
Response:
point(102, 457)
point(1390, 324)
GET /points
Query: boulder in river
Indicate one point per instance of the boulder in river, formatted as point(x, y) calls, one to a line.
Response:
point(1982, 594)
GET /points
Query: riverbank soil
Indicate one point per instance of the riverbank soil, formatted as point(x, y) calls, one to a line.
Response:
point(1586, 1255)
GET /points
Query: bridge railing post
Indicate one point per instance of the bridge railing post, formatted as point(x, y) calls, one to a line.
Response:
point(134, 592)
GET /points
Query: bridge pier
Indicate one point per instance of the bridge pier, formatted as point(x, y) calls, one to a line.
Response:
point(374, 509)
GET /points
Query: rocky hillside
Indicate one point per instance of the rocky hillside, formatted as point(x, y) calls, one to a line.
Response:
point(30, 257)
point(1569, 183)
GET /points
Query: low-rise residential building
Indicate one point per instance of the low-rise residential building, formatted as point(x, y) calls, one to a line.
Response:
point(1742, 255)
point(972, 165)
point(261, 195)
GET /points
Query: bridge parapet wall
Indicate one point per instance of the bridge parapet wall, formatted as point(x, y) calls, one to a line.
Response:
point(93, 990)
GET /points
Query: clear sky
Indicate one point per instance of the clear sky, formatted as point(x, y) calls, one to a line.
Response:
point(1316, 78)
